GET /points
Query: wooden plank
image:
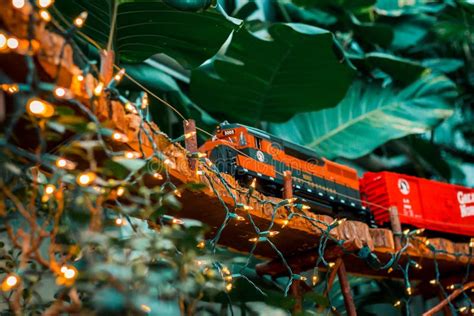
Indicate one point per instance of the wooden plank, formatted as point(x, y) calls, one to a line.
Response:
point(190, 141)
point(396, 227)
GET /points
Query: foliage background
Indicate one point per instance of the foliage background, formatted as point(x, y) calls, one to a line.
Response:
point(378, 85)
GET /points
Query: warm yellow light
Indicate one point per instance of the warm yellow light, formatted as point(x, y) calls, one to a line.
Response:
point(273, 233)
point(12, 43)
point(11, 280)
point(315, 279)
point(129, 107)
point(49, 189)
point(80, 78)
point(177, 221)
point(85, 178)
point(451, 287)
point(254, 183)
point(418, 266)
point(69, 272)
point(119, 137)
point(45, 3)
point(189, 135)
point(201, 244)
point(305, 207)
point(45, 15)
point(98, 89)
point(291, 200)
point(240, 218)
point(331, 264)
point(119, 221)
point(254, 239)
point(119, 75)
point(65, 164)
point(462, 309)
point(225, 270)
point(397, 303)
point(3, 41)
point(158, 176)
point(177, 193)
point(419, 231)
point(40, 108)
point(18, 3)
point(10, 88)
point(228, 287)
point(409, 291)
point(433, 281)
point(341, 221)
point(79, 21)
point(284, 223)
point(120, 191)
point(145, 308)
point(390, 270)
point(471, 243)
point(132, 154)
point(60, 92)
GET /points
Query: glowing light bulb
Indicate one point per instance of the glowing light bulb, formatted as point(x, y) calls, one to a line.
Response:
point(79, 21)
point(419, 231)
point(177, 193)
point(132, 154)
point(69, 272)
point(228, 287)
point(85, 178)
point(120, 191)
point(158, 176)
point(98, 89)
point(80, 78)
point(397, 303)
point(129, 107)
point(189, 135)
point(433, 281)
point(273, 233)
point(331, 264)
point(305, 207)
point(10, 88)
point(10, 282)
point(119, 137)
point(119, 221)
point(284, 223)
point(240, 218)
point(201, 244)
point(119, 75)
point(45, 15)
point(254, 183)
point(49, 189)
point(315, 279)
point(409, 290)
point(471, 243)
point(254, 239)
point(12, 43)
point(177, 221)
point(18, 3)
point(3, 41)
point(145, 308)
point(65, 164)
point(418, 266)
point(462, 309)
point(341, 221)
point(39, 108)
point(45, 3)
point(60, 92)
point(451, 287)
point(291, 200)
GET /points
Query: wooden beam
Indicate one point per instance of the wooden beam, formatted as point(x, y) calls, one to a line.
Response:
point(396, 227)
point(450, 298)
point(107, 59)
point(332, 276)
point(190, 141)
point(346, 290)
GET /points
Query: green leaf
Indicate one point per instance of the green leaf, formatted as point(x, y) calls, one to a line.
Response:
point(400, 69)
point(148, 27)
point(189, 5)
point(444, 65)
point(370, 115)
point(271, 76)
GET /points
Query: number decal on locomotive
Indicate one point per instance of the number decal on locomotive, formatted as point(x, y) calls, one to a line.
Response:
point(229, 132)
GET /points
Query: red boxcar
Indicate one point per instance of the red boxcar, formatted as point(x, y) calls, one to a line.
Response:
point(422, 203)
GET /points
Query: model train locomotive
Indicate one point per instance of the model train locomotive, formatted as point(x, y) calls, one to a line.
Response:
point(334, 189)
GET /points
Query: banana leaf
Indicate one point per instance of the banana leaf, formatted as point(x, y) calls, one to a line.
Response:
point(371, 115)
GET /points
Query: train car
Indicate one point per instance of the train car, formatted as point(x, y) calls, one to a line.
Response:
point(421, 203)
point(248, 153)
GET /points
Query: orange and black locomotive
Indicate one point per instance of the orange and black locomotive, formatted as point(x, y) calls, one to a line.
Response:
point(248, 153)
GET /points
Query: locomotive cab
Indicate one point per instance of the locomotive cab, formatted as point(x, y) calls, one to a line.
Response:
point(247, 153)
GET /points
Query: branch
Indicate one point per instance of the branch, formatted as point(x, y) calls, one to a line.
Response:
point(451, 297)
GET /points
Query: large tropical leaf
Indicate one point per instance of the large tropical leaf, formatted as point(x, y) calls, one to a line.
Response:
point(147, 27)
point(271, 76)
point(370, 115)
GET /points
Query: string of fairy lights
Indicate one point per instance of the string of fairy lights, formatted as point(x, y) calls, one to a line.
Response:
point(41, 109)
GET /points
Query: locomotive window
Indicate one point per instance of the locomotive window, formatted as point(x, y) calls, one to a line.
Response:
point(258, 143)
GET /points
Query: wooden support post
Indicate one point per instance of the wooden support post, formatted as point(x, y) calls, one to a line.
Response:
point(107, 59)
point(346, 290)
point(396, 227)
point(190, 141)
point(296, 288)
